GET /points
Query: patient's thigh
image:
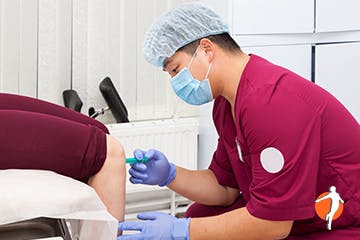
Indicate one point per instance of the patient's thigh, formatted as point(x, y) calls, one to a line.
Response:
point(31, 140)
point(17, 102)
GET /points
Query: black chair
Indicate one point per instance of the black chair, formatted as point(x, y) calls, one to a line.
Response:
point(72, 100)
point(113, 100)
point(111, 96)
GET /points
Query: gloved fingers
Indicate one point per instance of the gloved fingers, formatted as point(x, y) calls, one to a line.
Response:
point(137, 174)
point(137, 226)
point(150, 215)
point(139, 154)
point(132, 226)
point(141, 167)
point(135, 180)
point(152, 154)
point(131, 237)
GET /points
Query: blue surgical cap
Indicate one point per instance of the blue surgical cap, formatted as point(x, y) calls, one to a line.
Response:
point(182, 25)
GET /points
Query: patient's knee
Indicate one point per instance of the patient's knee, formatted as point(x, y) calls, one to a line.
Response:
point(115, 154)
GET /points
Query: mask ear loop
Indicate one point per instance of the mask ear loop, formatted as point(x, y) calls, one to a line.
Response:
point(192, 59)
point(194, 55)
point(208, 71)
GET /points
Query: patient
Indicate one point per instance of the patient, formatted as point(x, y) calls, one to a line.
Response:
point(40, 135)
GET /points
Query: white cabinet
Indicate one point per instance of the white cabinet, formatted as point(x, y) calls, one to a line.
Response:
point(296, 58)
point(273, 16)
point(335, 15)
point(337, 70)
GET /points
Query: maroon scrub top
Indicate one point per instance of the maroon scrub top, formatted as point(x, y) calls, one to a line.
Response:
point(291, 142)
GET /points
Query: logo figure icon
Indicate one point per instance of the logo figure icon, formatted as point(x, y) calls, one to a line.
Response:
point(329, 206)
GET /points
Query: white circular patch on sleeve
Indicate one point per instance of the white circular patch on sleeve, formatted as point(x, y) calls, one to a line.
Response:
point(272, 160)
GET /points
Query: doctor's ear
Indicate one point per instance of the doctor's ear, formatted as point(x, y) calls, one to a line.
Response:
point(208, 46)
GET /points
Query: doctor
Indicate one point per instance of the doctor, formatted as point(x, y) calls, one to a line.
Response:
point(283, 141)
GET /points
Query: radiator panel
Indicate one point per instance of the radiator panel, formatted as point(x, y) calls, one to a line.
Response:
point(178, 140)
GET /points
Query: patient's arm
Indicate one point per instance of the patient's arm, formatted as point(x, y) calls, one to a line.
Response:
point(109, 182)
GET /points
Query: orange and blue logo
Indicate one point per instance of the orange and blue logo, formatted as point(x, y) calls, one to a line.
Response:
point(329, 206)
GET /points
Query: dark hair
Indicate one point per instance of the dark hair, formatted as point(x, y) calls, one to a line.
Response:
point(223, 40)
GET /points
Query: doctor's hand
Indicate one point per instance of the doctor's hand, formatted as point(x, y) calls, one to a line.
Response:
point(157, 170)
point(158, 226)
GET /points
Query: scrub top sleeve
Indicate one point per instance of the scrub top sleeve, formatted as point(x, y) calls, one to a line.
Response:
point(283, 137)
point(221, 167)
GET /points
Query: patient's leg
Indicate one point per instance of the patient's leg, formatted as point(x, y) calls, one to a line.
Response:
point(31, 140)
point(109, 182)
point(23, 103)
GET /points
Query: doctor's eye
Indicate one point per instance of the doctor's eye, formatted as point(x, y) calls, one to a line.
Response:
point(174, 70)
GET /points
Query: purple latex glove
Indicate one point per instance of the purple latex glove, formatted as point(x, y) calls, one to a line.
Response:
point(158, 225)
point(157, 170)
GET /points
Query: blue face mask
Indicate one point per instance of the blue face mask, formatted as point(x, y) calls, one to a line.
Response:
point(191, 90)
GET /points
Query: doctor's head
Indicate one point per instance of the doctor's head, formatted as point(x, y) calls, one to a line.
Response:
point(188, 42)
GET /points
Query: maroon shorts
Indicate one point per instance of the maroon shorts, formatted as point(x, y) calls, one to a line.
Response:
point(40, 135)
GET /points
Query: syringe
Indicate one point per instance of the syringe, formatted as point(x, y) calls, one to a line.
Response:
point(135, 160)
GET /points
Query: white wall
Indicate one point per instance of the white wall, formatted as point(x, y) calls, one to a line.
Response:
point(18, 46)
point(47, 46)
point(337, 71)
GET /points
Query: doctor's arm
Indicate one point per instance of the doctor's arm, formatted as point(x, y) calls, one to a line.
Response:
point(199, 186)
point(238, 224)
point(202, 187)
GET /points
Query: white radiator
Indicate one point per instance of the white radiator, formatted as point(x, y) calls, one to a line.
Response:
point(178, 140)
